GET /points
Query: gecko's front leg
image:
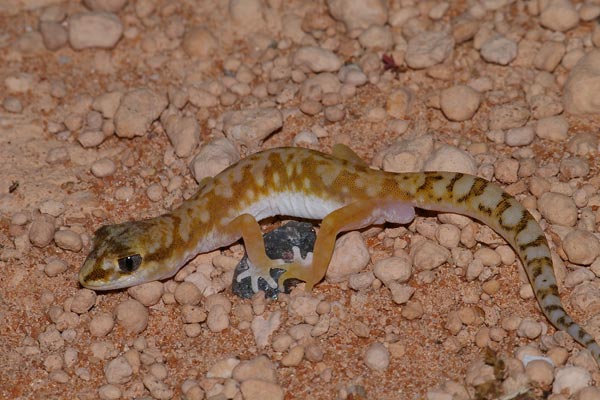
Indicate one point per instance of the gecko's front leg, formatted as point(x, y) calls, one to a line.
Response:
point(259, 263)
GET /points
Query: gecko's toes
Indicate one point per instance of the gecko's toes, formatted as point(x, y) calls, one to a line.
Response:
point(255, 273)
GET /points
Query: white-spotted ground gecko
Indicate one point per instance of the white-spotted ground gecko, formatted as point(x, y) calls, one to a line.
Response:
point(339, 189)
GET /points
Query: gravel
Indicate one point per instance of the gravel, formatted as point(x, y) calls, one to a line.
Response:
point(112, 110)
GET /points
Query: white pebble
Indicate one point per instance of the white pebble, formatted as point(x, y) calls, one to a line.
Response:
point(558, 208)
point(251, 126)
point(427, 49)
point(540, 372)
point(549, 56)
point(376, 38)
point(583, 85)
point(187, 293)
point(109, 392)
point(41, 232)
point(450, 158)
point(213, 158)
point(377, 357)
point(570, 379)
point(154, 192)
point(118, 371)
point(184, 134)
point(101, 324)
point(499, 50)
point(55, 267)
point(148, 293)
point(137, 110)
point(350, 256)
point(559, 15)
point(52, 207)
point(255, 389)
point(83, 300)
point(306, 137)
point(218, 319)
point(508, 116)
point(94, 29)
point(352, 75)
point(521, 136)
point(582, 247)
point(428, 255)
point(397, 269)
point(529, 328)
point(317, 59)
point(358, 14)
point(257, 368)
point(448, 235)
point(68, 240)
point(103, 167)
point(460, 102)
point(132, 315)
point(263, 326)
point(223, 369)
point(552, 128)
point(199, 42)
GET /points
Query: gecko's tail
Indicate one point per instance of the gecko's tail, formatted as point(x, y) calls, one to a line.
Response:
point(489, 203)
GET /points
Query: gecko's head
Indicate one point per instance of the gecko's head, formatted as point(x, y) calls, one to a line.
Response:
point(118, 258)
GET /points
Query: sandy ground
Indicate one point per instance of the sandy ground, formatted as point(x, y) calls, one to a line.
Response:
point(46, 174)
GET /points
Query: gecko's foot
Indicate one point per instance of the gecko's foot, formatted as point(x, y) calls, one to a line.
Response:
point(284, 248)
point(294, 269)
point(299, 269)
point(255, 273)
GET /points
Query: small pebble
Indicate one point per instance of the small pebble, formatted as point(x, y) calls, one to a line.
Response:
point(12, 104)
point(552, 128)
point(582, 247)
point(218, 319)
point(41, 232)
point(377, 357)
point(255, 389)
point(109, 392)
point(427, 49)
point(570, 379)
point(83, 300)
point(90, 138)
point(154, 192)
point(499, 50)
point(187, 293)
point(103, 167)
point(55, 267)
point(316, 59)
point(68, 240)
point(148, 293)
point(132, 315)
point(118, 371)
point(558, 208)
point(460, 102)
point(101, 324)
point(397, 269)
point(94, 29)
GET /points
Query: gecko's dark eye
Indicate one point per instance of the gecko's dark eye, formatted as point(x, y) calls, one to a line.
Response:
point(130, 263)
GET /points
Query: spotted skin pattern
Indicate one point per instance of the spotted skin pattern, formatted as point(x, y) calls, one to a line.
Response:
point(338, 189)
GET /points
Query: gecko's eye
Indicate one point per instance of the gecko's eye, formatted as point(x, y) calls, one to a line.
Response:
point(130, 263)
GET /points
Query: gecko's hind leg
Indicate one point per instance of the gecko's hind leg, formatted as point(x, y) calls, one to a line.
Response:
point(352, 216)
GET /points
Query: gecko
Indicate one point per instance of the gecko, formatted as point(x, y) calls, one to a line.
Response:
point(342, 191)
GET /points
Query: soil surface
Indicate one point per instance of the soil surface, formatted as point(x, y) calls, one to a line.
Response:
point(107, 119)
